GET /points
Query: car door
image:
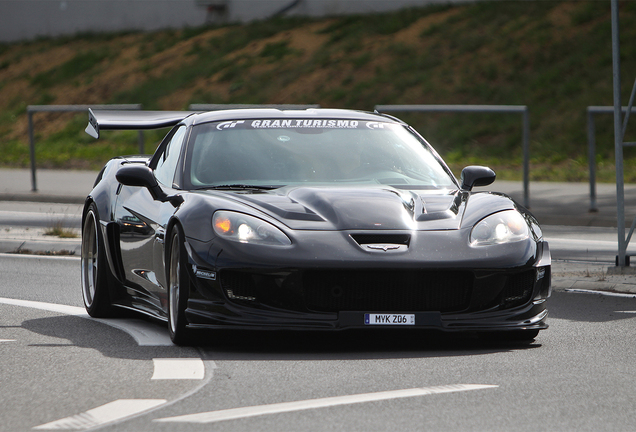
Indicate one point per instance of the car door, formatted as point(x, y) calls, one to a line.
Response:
point(142, 221)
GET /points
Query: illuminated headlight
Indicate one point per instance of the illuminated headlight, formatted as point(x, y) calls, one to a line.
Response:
point(247, 229)
point(503, 227)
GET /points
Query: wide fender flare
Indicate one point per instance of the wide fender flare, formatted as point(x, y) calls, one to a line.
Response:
point(104, 192)
point(482, 204)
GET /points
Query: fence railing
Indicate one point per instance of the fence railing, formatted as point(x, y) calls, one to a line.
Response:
point(592, 111)
point(505, 109)
point(519, 109)
point(32, 109)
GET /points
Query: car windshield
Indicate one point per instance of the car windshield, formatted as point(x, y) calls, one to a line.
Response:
point(275, 153)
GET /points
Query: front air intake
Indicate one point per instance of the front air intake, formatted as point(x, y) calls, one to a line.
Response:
point(518, 289)
point(239, 286)
point(387, 290)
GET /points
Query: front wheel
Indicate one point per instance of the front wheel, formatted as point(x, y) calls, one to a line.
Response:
point(178, 283)
point(95, 289)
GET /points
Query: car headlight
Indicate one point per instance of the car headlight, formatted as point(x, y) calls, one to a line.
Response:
point(503, 227)
point(247, 229)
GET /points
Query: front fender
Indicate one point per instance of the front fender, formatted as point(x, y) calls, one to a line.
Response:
point(482, 204)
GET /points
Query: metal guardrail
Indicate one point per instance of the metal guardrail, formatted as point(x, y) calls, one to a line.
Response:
point(522, 109)
point(519, 109)
point(32, 109)
point(592, 111)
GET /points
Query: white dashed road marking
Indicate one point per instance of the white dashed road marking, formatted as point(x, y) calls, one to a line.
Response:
point(178, 369)
point(52, 307)
point(7, 340)
point(110, 412)
point(253, 411)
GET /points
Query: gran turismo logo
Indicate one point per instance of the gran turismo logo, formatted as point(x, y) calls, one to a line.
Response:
point(375, 125)
point(229, 124)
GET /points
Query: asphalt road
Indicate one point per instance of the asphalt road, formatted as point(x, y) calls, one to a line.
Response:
point(61, 370)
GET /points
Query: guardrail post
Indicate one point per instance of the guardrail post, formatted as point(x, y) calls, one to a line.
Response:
point(591, 156)
point(34, 186)
point(618, 138)
point(140, 139)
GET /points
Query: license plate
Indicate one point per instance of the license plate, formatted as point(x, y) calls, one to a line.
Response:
point(389, 319)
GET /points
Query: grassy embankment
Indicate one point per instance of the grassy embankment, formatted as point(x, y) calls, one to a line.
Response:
point(554, 57)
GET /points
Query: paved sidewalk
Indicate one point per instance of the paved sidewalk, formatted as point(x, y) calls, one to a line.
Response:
point(53, 186)
point(590, 278)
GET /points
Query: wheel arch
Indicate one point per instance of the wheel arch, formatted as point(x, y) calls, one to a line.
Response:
point(109, 231)
point(174, 221)
point(106, 288)
point(170, 226)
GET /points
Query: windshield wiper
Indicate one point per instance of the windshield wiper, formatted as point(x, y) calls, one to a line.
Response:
point(240, 187)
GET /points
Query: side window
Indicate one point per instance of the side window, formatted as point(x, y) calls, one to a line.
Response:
point(167, 164)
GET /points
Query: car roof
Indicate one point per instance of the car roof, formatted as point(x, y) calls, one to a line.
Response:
point(272, 113)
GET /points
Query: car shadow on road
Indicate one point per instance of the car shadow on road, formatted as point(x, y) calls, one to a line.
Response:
point(590, 307)
point(351, 344)
point(92, 334)
point(268, 345)
point(298, 345)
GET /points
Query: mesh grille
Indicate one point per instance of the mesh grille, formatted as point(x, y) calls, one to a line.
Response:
point(518, 288)
point(399, 291)
point(238, 286)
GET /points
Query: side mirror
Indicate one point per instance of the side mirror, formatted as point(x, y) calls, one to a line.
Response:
point(476, 176)
point(136, 175)
point(141, 175)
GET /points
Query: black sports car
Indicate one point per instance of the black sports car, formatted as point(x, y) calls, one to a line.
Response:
point(320, 219)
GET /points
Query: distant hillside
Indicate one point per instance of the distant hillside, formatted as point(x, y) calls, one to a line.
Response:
point(554, 57)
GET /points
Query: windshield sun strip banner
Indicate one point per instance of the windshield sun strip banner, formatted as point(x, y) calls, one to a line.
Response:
point(300, 124)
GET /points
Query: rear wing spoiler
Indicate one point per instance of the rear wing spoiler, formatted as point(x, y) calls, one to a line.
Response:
point(132, 120)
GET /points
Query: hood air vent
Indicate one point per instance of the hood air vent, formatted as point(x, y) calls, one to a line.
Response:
point(397, 239)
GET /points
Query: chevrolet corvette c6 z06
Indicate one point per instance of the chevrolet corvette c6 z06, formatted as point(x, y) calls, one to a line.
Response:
point(319, 219)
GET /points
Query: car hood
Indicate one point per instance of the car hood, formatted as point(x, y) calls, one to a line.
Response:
point(360, 208)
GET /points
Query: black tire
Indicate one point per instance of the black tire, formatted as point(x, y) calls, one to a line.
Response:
point(95, 272)
point(178, 287)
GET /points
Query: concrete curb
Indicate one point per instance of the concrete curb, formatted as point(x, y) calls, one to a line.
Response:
point(22, 240)
point(593, 276)
point(568, 284)
point(35, 197)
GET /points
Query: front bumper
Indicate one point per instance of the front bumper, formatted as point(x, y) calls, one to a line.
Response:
point(451, 288)
point(450, 300)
